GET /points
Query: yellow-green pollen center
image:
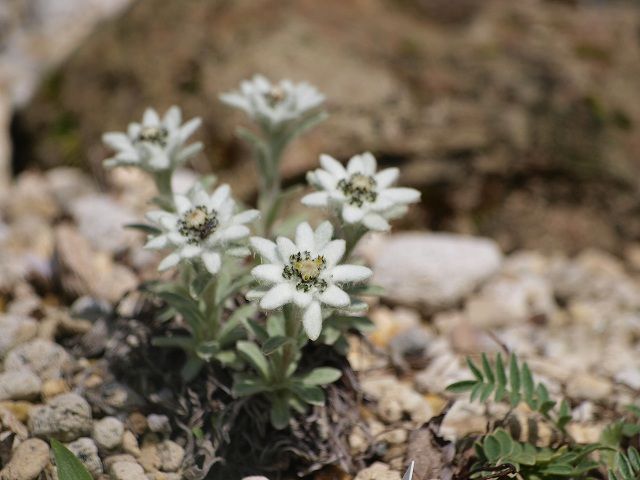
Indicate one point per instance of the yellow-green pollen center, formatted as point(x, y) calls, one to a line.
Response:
point(306, 270)
point(359, 188)
point(197, 224)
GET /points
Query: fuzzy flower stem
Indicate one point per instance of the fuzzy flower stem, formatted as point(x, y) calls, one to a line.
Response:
point(352, 234)
point(292, 325)
point(162, 179)
point(270, 186)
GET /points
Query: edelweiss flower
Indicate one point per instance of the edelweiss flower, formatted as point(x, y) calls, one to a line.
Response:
point(305, 273)
point(203, 226)
point(155, 144)
point(359, 193)
point(273, 104)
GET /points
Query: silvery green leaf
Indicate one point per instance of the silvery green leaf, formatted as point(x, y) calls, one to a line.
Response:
point(191, 368)
point(229, 358)
point(357, 306)
point(251, 352)
point(231, 330)
point(274, 343)
point(272, 214)
point(307, 124)
point(183, 342)
point(246, 386)
point(365, 290)
point(280, 414)
point(275, 325)
point(143, 227)
point(321, 376)
point(309, 393)
point(207, 350)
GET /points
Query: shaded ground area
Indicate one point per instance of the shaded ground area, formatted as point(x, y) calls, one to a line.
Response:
point(517, 120)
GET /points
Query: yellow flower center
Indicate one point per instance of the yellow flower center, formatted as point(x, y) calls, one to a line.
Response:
point(195, 218)
point(359, 188)
point(363, 182)
point(197, 224)
point(305, 270)
point(309, 269)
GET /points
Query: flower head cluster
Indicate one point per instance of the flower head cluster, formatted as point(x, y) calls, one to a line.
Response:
point(306, 273)
point(201, 228)
point(359, 192)
point(274, 104)
point(156, 144)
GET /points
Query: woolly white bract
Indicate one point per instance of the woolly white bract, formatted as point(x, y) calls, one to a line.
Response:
point(306, 273)
point(202, 228)
point(156, 144)
point(274, 104)
point(359, 193)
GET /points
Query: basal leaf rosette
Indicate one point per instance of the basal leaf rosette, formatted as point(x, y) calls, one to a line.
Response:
point(306, 273)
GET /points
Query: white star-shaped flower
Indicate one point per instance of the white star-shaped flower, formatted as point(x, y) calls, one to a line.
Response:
point(306, 273)
point(274, 104)
point(154, 145)
point(358, 192)
point(203, 227)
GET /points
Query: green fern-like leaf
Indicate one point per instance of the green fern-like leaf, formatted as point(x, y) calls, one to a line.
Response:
point(499, 448)
point(515, 386)
point(627, 466)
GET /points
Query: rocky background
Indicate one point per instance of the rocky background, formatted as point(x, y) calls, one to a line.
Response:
point(518, 120)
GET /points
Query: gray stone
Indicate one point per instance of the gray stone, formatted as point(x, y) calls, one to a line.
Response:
point(90, 308)
point(126, 471)
point(108, 433)
point(511, 299)
point(20, 384)
point(45, 358)
point(629, 376)
point(67, 184)
point(86, 450)
point(83, 270)
point(589, 387)
point(65, 417)
point(159, 423)
point(409, 349)
point(101, 220)
point(27, 462)
point(109, 461)
point(14, 330)
point(166, 456)
point(378, 471)
point(433, 270)
point(171, 456)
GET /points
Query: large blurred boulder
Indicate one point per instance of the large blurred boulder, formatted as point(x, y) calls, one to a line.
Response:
point(433, 271)
point(500, 111)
